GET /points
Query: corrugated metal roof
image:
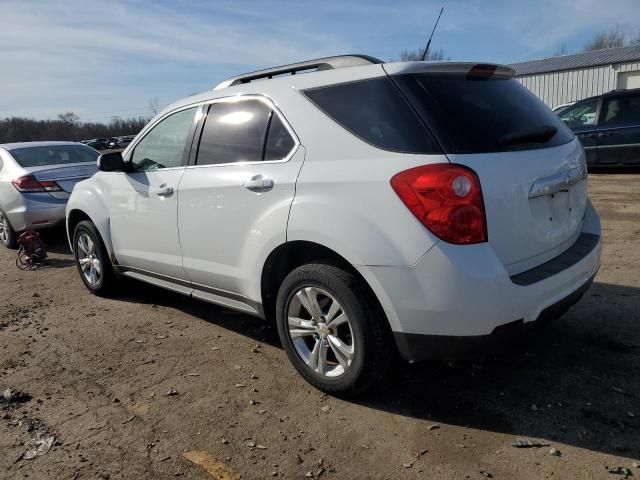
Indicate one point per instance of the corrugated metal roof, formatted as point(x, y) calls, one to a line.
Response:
point(593, 58)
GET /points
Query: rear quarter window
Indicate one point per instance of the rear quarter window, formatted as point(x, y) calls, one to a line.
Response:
point(481, 115)
point(375, 111)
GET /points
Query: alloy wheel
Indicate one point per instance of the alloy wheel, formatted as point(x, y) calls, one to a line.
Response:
point(88, 259)
point(4, 228)
point(320, 331)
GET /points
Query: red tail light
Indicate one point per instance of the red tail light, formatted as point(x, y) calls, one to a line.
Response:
point(447, 199)
point(28, 183)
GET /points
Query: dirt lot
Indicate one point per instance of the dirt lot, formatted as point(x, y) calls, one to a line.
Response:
point(97, 372)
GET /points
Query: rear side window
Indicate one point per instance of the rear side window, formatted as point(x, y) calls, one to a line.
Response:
point(375, 111)
point(279, 140)
point(621, 110)
point(480, 115)
point(244, 131)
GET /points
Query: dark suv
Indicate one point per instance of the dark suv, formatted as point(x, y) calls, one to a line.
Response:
point(608, 126)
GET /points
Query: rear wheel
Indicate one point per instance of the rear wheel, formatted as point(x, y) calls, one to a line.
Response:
point(92, 259)
point(8, 236)
point(332, 329)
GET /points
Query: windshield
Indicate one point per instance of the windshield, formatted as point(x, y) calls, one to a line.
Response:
point(53, 155)
point(479, 115)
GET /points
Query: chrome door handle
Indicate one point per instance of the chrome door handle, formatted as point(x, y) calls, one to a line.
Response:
point(164, 191)
point(259, 183)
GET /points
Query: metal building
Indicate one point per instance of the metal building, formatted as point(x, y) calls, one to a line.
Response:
point(568, 78)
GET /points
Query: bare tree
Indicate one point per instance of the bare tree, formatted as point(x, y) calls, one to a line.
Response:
point(154, 106)
point(614, 37)
point(69, 118)
point(433, 55)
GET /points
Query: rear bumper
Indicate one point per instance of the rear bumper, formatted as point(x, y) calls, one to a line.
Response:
point(462, 294)
point(415, 347)
point(35, 211)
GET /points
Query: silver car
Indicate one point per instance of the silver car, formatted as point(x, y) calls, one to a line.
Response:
point(36, 179)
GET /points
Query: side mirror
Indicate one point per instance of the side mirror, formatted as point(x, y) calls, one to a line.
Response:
point(111, 162)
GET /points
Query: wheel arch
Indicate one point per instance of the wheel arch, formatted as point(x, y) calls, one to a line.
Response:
point(77, 215)
point(290, 255)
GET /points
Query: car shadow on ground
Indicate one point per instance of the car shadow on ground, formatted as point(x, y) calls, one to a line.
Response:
point(615, 170)
point(574, 381)
point(56, 240)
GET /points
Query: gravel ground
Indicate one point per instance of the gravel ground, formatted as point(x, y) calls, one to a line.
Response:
point(152, 385)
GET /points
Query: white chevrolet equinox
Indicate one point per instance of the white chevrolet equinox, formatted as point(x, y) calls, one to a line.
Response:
point(368, 208)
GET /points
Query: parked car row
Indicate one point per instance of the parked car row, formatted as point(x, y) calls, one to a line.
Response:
point(112, 143)
point(608, 126)
point(381, 210)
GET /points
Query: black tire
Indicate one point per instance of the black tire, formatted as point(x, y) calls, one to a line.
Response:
point(374, 351)
point(107, 280)
point(11, 238)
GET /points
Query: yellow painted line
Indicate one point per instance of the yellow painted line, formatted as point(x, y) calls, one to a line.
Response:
point(212, 465)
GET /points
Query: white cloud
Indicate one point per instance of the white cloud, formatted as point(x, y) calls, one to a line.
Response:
point(95, 58)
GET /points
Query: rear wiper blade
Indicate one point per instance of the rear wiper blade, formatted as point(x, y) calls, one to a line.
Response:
point(540, 134)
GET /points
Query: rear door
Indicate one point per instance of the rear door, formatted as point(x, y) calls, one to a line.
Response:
point(619, 130)
point(531, 167)
point(234, 202)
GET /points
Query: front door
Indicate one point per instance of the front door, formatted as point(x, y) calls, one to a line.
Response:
point(619, 130)
point(234, 203)
point(581, 118)
point(143, 202)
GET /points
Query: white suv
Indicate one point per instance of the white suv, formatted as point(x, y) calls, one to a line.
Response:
point(368, 208)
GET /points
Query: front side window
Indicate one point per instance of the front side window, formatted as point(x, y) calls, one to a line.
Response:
point(53, 155)
point(621, 110)
point(164, 145)
point(375, 111)
point(580, 115)
point(243, 131)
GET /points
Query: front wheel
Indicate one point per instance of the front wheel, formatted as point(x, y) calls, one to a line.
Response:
point(8, 236)
point(332, 329)
point(92, 259)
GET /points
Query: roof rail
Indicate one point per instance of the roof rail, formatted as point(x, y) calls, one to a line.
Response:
point(327, 63)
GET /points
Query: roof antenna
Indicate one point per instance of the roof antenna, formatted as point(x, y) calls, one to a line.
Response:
point(426, 49)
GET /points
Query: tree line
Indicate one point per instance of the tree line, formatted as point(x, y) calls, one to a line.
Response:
point(67, 126)
point(616, 36)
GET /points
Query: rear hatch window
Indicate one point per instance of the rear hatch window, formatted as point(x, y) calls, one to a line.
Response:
point(480, 114)
point(28, 157)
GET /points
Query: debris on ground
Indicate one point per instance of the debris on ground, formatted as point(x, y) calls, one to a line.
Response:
point(211, 465)
point(621, 471)
point(484, 473)
point(555, 452)
point(529, 443)
point(435, 426)
point(172, 392)
point(15, 396)
point(38, 446)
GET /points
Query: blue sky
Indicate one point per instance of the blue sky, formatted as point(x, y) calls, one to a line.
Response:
point(111, 57)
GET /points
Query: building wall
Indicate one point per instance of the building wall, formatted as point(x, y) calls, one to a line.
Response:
point(558, 88)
